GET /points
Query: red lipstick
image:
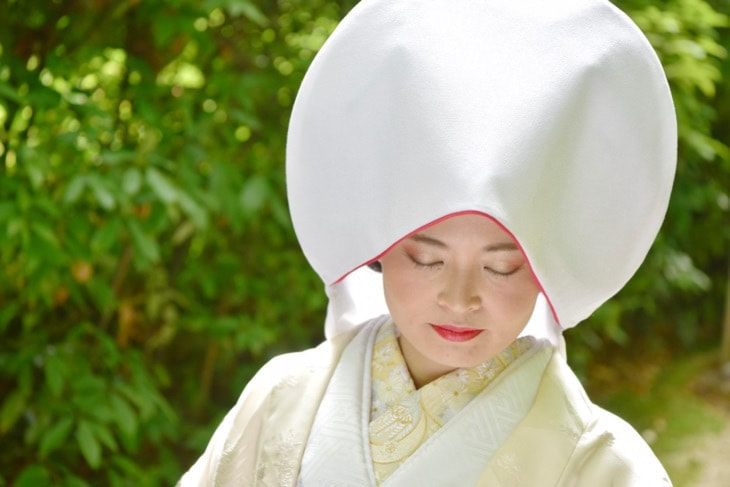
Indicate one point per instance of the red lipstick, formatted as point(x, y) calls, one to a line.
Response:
point(456, 333)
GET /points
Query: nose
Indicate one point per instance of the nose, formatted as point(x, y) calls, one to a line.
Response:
point(460, 292)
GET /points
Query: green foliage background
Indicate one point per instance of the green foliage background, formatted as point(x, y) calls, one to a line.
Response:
point(147, 261)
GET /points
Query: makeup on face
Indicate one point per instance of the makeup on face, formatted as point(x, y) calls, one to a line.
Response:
point(456, 333)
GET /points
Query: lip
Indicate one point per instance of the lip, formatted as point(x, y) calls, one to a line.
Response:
point(456, 333)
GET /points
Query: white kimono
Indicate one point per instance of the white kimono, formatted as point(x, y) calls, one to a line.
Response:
point(302, 421)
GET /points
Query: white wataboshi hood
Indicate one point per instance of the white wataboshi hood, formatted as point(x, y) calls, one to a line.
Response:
point(553, 118)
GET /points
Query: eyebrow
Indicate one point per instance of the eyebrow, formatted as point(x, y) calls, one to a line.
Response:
point(438, 243)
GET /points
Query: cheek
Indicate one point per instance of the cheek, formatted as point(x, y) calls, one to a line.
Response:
point(517, 301)
point(404, 291)
point(525, 305)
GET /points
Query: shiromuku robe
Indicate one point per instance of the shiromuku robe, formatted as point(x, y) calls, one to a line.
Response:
point(554, 435)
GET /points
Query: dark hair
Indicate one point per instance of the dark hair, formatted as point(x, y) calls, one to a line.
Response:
point(376, 266)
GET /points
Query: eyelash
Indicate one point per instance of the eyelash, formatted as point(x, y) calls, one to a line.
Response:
point(434, 265)
point(424, 265)
point(503, 274)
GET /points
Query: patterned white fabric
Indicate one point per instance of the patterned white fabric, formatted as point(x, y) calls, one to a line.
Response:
point(563, 440)
point(337, 452)
point(402, 417)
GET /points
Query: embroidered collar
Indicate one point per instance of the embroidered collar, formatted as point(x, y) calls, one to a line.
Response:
point(403, 418)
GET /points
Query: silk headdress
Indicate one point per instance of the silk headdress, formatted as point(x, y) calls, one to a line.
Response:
point(553, 118)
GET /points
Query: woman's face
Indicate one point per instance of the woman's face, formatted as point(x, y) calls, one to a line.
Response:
point(459, 292)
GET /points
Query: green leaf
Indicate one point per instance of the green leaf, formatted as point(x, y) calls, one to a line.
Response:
point(74, 481)
point(145, 404)
point(54, 436)
point(129, 469)
point(132, 181)
point(54, 372)
point(161, 185)
point(118, 156)
point(245, 118)
point(33, 476)
point(254, 194)
point(40, 252)
point(7, 312)
point(248, 9)
point(13, 406)
point(35, 171)
point(42, 97)
point(6, 210)
point(103, 195)
point(196, 213)
point(104, 435)
point(75, 188)
point(103, 296)
point(8, 92)
point(281, 214)
point(90, 447)
point(124, 415)
point(106, 236)
point(143, 243)
point(44, 232)
point(184, 232)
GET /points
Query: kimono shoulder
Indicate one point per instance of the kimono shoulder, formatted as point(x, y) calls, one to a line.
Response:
point(613, 450)
point(276, 408)
point(566, 440)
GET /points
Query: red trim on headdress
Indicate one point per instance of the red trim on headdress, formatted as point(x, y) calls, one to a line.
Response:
point(459, 213)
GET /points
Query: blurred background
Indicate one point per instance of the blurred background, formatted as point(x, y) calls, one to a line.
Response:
point(148, 265)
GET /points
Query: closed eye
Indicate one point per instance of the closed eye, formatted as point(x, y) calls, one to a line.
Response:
point(501, 273)
point(428, 265)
